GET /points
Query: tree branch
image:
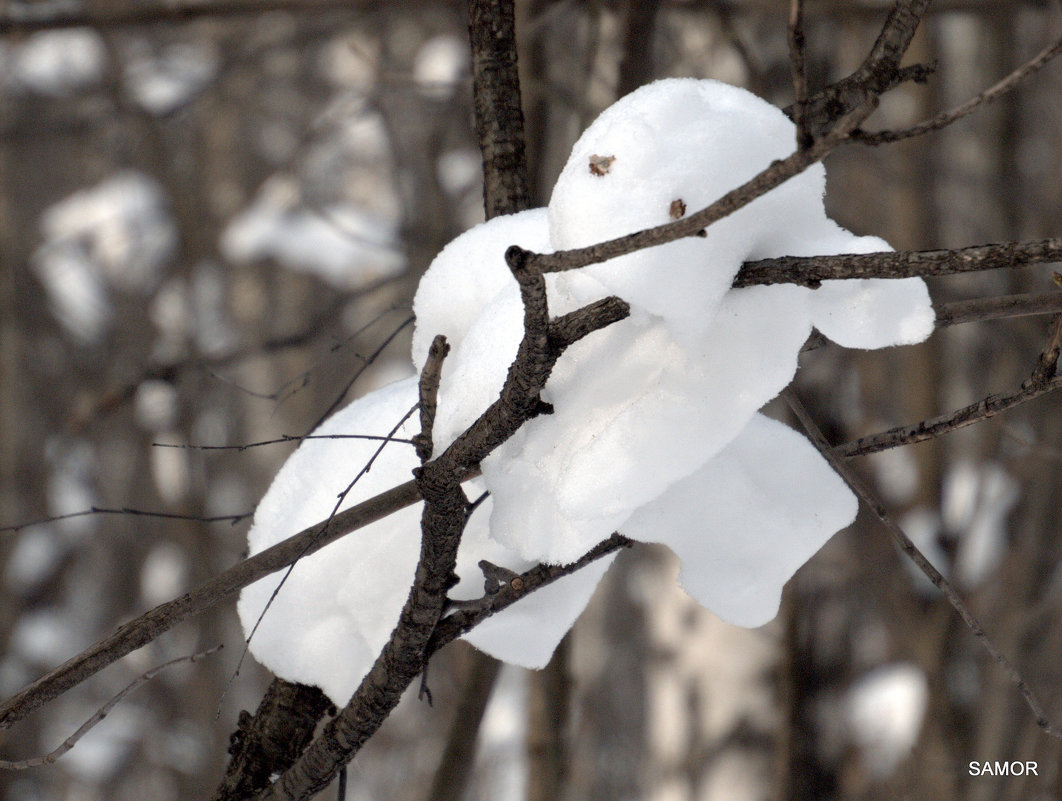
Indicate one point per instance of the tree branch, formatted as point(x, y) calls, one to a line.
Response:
point(499, 117)
point(942, 120)
point(1040, 382)
point(810, 270)
point(905, 544)
point(776, 174)
point(100, 714)
point(798, 68)
point(879, 72)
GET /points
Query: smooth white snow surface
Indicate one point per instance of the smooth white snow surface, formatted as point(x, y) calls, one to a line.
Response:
point(655, 430)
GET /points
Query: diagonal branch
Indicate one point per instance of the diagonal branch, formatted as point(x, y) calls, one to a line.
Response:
point(776, 174)
point(100, 714)
point(905, 544)
point(879, 72)
point(1040, 382)
point(946, 118)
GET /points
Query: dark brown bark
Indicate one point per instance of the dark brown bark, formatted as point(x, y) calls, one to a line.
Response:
point(499, 116)
point(269, 741)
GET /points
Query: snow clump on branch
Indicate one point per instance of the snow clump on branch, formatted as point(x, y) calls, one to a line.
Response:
point(655, 432)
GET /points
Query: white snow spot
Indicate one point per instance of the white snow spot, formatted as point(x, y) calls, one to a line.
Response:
point(59, 63)
point(439, 64)
point(117, 234)
point(341, 244)
point(36, 554)
point(884, 713)
point(977, 500)
point(164, 574)
point(167, 81)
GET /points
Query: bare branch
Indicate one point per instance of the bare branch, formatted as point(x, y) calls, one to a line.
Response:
point(110, 17)
point(357, 373)
point(809, 270)
point(879, 72)
point(981, 309)
point(942, 120)
point(945, 423)
point(453, 626)
point(272, 738)
point(1042, 381)
point(905, 544)
point(142, 630)
point(100, 714)
point(128, 512)
point(429, 392)
point(798, 67)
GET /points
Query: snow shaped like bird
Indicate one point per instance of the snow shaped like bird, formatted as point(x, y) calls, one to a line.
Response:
point(655, 431)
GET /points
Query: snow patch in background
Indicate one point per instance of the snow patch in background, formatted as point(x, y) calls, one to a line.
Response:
point(117, 235)
point(343, 245)
point(57, 63)
point(439, 64)
point(884, 715)
point(164, 82)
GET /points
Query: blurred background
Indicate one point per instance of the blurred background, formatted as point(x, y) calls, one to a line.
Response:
point(212, 219)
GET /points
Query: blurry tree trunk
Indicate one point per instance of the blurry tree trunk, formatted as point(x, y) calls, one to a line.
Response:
point(548, 702)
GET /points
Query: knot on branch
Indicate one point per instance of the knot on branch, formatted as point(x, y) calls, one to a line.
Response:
point(521, 263)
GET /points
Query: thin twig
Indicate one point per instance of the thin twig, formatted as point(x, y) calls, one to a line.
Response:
point(310, 545)
point(945, 423)
point(868, 496)
point(1040, 382)
point(982, 309)
point(285, 438)
point(429, 396)
point(357, 373)
point(138, 632)
point(100, 714)
point(129, 512)
point(946, 118)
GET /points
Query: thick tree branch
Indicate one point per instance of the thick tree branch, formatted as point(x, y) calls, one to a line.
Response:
point(810, 270)
point(879, 72)
point(270, 741)
point(499, 117)
point(147, 627)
